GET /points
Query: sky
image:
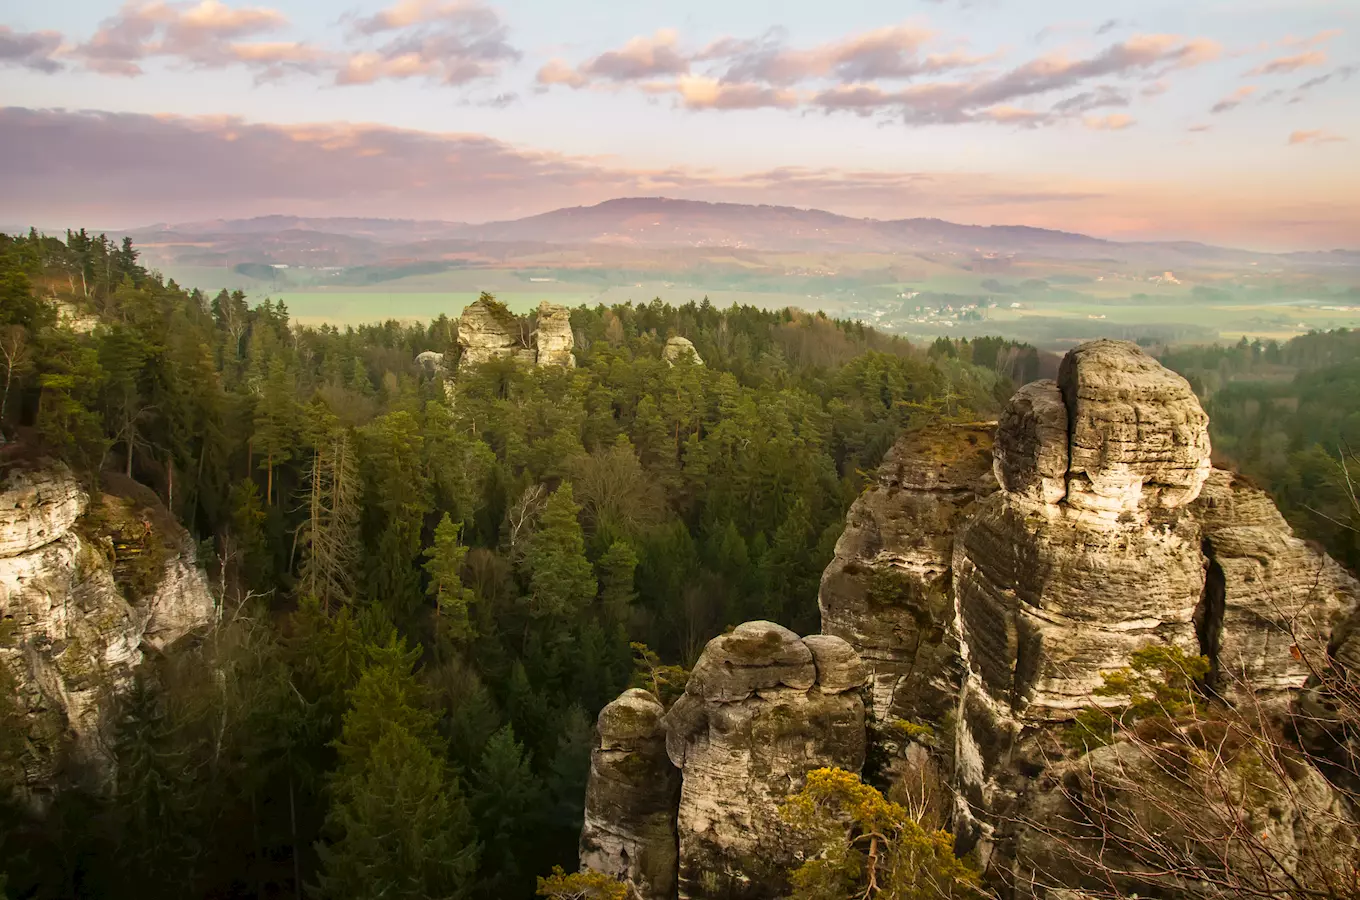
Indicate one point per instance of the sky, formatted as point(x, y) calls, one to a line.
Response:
point(1234, 122)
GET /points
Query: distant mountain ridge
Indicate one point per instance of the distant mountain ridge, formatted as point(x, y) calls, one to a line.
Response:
point(664, 222)
point(652, 223)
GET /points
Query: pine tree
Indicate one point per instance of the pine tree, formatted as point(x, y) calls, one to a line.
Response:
point(400, 825)
point(508, 800)
point(404, 829)
point(276, 422)
point(443, 563)
point(562, 582)
point(618, 567)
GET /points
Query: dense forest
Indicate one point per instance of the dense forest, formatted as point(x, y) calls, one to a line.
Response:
point(1288, 416)
point(429, 584)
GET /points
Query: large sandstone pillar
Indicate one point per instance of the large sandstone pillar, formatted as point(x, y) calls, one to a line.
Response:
point(761, 710)
point(631, 798)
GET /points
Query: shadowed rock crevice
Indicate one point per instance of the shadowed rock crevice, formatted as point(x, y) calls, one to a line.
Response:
point(1209, 613)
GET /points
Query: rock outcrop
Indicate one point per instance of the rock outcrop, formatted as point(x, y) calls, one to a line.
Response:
point(1270, 599)
point(487, 330)
point(80, 600)
point(678, 348)
point(1138, 805)
point(889, 591)
point(553, 338)
point(631, 798)
point(762, 708)
point(755, 719)
point(986, 583)
point(1105, 530)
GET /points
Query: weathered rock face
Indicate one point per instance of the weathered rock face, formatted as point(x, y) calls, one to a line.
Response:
point(75, 636)
point(39, 506)
point(553, 337)
point(1110, 531)
point(487, 331)
point(762, 708)
point(1138, 436)
point(987, 586)
point(889, 591)
point(631, 798)
point(754, 720)
point(678, 348)
point(1270, 599)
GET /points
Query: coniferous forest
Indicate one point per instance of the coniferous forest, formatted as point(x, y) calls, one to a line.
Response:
point(430, 578)
point(428, 584)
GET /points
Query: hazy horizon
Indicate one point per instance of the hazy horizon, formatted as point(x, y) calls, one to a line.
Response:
point(1228, 123)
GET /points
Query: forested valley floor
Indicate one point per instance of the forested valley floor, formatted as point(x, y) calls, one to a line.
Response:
point(431, 582)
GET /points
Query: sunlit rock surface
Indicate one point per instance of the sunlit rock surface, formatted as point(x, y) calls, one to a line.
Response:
point(80, 600)
point(553, 338)
point(487, 330)
point(754, 720)
point(678, 348)
point(687, 804)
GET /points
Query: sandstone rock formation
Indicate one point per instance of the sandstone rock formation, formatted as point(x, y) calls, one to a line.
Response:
point(487, 330)
point(631, 798)
point(1270, 599)
point(553, 336)
point(1109, 531)
point(678, 348)
point(986, 582)
point(754, 720)
point(1137, 434)
point(762, 708)
point(888, 591)
point(1060, 576)
point(77, 622)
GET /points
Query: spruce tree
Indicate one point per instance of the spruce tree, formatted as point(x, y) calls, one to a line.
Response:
point(562, 582)
point(443, 562)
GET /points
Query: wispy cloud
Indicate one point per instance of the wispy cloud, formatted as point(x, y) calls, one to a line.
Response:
point(208, 34)
point(890, 72)
point(1285, 64)
point(1113, 122)
point(1233, 100)
point(451, 42)
point(1318, 136)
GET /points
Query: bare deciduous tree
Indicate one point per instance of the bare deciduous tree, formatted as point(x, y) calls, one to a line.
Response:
point(17, 360)
point(1247, 798)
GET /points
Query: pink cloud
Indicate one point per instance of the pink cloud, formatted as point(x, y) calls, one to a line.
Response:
point(199, 34)
point(1285, 64)
point(450, 43)
point(1318, 136)
point(30, 49)
point(1114, 122)
point(1234, 100)
point(853, 74)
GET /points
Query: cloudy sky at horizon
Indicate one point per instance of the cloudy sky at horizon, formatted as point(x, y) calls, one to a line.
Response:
point(1230, 121)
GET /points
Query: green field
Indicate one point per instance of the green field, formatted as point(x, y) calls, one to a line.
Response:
point(1070, 307)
